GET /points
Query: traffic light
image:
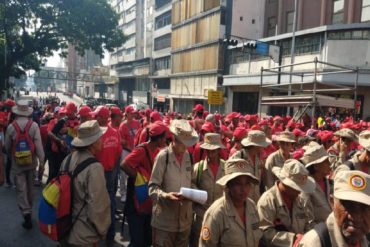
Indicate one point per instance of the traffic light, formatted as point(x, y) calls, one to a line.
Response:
point(250, 44)
point(232, 42)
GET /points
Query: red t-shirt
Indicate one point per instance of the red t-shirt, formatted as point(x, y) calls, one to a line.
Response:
point(138, 160)
point(214, 168)
point(127, 131)
point(111, 149)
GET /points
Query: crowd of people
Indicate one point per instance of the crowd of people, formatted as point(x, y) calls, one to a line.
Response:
point(270, 181)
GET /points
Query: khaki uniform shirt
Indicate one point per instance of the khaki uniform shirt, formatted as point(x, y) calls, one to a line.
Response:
point(272, 211)
point(274, 159)
point(320, 201)
point(170, 216)
point(89, 190)
point(255, 193)
point(311, 238)
point(335, 157)
point(356, 164)
point(34, 133)
point(207, 182)
point(222, 225)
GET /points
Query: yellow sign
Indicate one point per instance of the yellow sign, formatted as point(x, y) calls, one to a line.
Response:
point(215, 97)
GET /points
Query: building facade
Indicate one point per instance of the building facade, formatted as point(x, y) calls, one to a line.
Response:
point(335, 32)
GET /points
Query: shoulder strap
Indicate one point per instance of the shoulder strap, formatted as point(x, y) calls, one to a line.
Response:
point(191, 159)
point(167, 159)
point(200, 171)
point(147, 154)
point(67, 164)
point(80, 167)
point(323, 232)
point(350, 165)
point(16, 127)
point(28, 125)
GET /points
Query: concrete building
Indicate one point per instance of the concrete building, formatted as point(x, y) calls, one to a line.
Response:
point(335, 32)
point(76, 64)
point(131, 63)
point(197, 55)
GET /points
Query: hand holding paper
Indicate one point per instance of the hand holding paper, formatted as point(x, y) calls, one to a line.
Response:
point(199, 196)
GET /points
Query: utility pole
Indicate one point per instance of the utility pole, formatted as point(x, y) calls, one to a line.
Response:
point(292, 51)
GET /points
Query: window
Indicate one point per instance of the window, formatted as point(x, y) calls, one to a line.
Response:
point(162, 42)
point(338, 12)
point(304, 45)
point(271, 26)
point(349, 35)
point(162, 63)
point(160, 3)
point(365, 15)
point(163, 20)
point(289, 21)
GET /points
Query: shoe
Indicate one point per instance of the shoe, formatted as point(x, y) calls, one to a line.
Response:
point(27, 224)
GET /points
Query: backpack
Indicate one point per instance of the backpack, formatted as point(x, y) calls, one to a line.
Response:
point(55, 207)
point(23, 146)
point(323, 232)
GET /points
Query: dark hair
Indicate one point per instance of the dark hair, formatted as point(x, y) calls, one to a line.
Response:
point(81, 148)
point(157, 137)
point(112, 115)
point(311, 169)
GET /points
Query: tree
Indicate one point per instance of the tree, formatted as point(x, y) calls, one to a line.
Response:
point(30, 30)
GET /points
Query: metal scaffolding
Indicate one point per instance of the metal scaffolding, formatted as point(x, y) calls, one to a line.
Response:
point(307, 93)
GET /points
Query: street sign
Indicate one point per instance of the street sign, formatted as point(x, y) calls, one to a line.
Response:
point(161, 98)
point(262, 48)
point(215, 97)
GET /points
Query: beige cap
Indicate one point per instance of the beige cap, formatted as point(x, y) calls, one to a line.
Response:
point(364, 139)
point(235, 168)
point(256, 138)
point(352, 186)
point(88, 133)
point(212, 141)
point(347, 133)
point(183, 132)
point(314, 154)
point(22, 109)
point(285, 136)
point(295, 175)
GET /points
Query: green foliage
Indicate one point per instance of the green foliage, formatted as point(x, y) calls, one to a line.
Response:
point(33, 29)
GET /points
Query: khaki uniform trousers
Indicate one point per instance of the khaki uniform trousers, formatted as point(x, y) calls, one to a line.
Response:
point(24, 187)
point(170, 239)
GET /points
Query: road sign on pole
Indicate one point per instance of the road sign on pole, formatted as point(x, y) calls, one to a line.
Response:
point(215, 97)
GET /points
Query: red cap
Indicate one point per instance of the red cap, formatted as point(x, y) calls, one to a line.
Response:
point(239, 133)
point(255, 127)
point(101, 111)
point(298, 154)
point(247, 117)
point(299, 125)
point(155, 116)
point(129, 109)
point(198, 107)
point(157, 128)
point(62, 110)
point(9, 102)
point(71, 108)
point(325, 135)
point(84, 111)
point(205, 114)
point(254, 117)
point(208, 127)
point(233, 115)
point(148, 111)
point(291, 123)
point(277, 118)
point(263, 122)
point(218, 117)
point(116, 110)
point(298, 132)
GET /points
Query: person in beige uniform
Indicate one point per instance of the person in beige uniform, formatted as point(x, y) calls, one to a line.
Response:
point(286, 142)
point(253, 145)
point(233, 219)
point(90, 195)
point(23, 174)
point(361, 159)
point(339, 152)
point(205, 174)
point(316, 160)
point(172, 214)
point(284, 213)
point(350, 221)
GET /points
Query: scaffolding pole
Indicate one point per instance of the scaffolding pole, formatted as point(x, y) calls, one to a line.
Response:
point(355, 94)
point(260, 95)
point(314, 102)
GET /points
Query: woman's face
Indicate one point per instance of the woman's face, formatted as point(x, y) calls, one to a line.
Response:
point(239, 188)
point(213, 154)
point(323, 167)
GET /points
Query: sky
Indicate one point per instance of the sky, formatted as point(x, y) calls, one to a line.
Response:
point(56, 61)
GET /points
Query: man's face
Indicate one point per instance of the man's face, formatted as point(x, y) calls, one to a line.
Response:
point(239, 188)
point(286, 146)
point(353, 219)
